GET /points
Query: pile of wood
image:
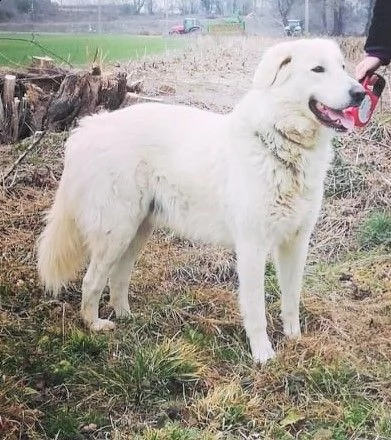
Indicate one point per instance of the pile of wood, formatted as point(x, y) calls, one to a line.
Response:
point(48, 98)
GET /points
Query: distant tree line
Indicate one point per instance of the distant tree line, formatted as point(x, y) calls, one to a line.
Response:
point(11, 9)
point(333, 17)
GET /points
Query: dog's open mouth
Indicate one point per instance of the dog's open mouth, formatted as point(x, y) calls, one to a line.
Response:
point(330, 117)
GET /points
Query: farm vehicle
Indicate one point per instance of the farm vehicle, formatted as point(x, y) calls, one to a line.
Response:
point(189, 25)
point(231, 25)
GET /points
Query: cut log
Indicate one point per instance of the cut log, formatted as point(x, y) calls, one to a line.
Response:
point(1, 114)
point(14, 120)
point(7, 128)
point(37, 102)
point(133, 98)
point(84, 94)
point(42, 63)
point(112, 91)
point(8, 92)
point(47, 82)
point(134, 86)
point(53, 102)
point(66, 105)
point(96, 70)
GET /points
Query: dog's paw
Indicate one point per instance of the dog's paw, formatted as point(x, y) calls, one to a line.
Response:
point(102, 325)
point(121, 310)
point(263, 353)
point(292, 330)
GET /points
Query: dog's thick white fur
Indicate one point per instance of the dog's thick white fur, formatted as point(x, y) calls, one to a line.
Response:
point(251, 180)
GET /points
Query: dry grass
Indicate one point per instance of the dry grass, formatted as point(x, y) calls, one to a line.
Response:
point(180, 367)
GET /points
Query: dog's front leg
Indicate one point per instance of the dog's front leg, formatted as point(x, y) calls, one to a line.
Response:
point(251, 260)
point(290, 260)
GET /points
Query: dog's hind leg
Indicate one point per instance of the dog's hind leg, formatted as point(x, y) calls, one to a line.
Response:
point(290, 258)
point(103, 258)
point(107, 244)
point(119, 276)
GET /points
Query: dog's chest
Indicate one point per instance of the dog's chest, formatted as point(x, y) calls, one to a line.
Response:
point(288, 189)
point(294, 195)
point(291, 177)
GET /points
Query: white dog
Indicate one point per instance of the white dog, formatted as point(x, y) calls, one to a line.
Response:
point(251, 180)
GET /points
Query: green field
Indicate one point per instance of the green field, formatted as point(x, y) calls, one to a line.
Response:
point(79, 49)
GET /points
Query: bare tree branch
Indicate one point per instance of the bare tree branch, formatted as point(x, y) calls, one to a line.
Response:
point(284, 7)
point(31, 147)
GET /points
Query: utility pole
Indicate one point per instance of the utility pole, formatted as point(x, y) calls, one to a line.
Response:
point(306, 16)
point(165, 17)
point(99, 17)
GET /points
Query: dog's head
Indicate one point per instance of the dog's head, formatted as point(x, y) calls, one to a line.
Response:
point(309, 78)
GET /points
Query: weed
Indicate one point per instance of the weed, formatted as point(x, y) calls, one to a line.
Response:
point(80, 345)
point(173, 431)
point(196, 337)
point(150, 372)
point(384, 425)
point(344, 179)
point(356, 415)
point(376, 231)
point(63, 424)
point(332, 381)
point(272, 289)
point(226, 407)
point(61, 371)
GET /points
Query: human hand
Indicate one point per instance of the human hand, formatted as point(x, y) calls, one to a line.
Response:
point(367, 65)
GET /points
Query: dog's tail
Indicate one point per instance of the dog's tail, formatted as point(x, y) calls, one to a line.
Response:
point(61, 251)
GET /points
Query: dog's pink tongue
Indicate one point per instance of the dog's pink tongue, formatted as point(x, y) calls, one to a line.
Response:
point(346, 119)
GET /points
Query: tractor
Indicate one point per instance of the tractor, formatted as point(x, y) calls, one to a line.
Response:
point(189, 25)
point(294, 28)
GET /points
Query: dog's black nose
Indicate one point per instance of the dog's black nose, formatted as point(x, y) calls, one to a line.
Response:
point(357, 94)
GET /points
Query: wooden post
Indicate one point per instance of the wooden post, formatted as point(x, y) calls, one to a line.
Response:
point(9, 91)
point(8, 107)
point(1, 114)
point(14, 121)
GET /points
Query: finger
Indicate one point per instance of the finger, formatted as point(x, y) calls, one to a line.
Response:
point(360, 73)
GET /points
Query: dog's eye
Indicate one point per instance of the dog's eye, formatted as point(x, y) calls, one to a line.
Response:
point(343, 66)
point(318, 69)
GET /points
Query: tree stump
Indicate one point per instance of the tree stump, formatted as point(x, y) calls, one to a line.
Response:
point(54, 101)
point(84, 94)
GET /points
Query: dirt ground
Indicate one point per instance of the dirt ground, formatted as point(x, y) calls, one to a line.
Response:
point(59, 381)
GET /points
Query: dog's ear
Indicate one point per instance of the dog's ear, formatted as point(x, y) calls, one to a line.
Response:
point(274, 67)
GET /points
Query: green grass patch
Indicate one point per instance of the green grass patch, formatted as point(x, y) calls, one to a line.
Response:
point(18, 48)
point(145, 373)
point(376, 231)
point(81, 345)
point(173, 431)
point(157, 364)
point(63, 424)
